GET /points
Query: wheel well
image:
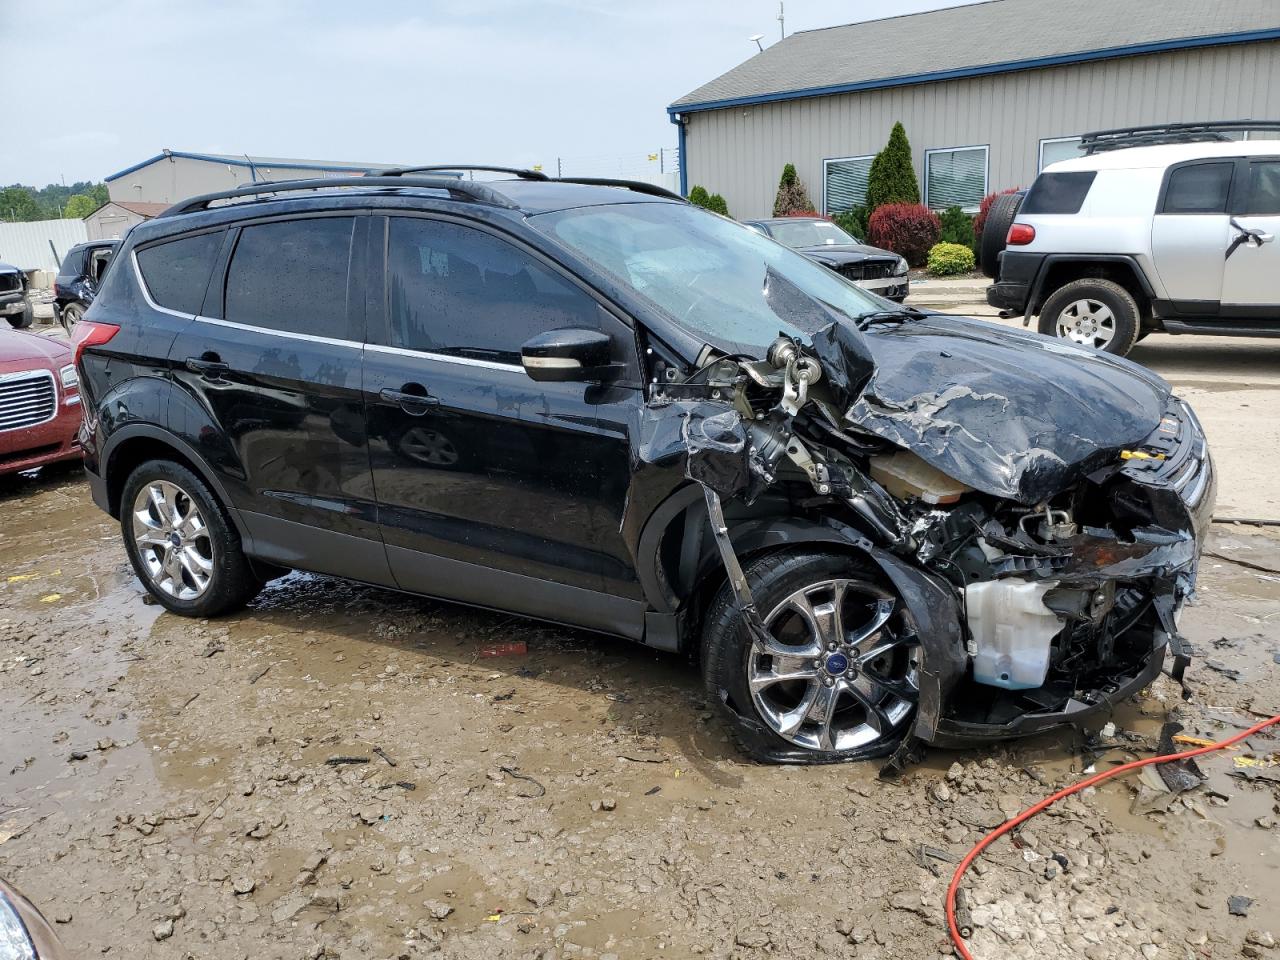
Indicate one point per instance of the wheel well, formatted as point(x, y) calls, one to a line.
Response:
point(131, 454)
point(1062, 272)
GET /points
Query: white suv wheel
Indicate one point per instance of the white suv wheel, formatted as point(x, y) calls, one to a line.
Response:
point(1089, 323)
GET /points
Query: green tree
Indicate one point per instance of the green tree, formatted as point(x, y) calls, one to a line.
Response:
point(18, 204)
point(792, 196)
point(78, 207)
point(892, 178)
point(717, 204)
point(698, 196)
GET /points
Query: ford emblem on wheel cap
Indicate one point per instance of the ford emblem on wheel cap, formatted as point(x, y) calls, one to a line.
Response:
point(837, 664)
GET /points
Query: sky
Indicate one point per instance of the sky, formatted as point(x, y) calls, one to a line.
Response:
point(101, 86)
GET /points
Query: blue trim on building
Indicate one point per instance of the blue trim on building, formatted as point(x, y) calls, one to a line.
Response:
point(253, 167)
point(1011, 66)
point(684, 171)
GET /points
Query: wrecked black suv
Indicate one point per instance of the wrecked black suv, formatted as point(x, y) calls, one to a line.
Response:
point(595, 404)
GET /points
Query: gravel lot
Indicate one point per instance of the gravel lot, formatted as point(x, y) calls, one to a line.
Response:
point(344, 771)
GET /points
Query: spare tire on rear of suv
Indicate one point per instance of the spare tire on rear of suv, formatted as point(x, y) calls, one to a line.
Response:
point(996, 230)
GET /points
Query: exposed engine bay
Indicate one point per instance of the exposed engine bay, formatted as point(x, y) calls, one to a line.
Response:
point(1042, 555)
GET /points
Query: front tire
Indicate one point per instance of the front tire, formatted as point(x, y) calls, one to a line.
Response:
point(23, 320)
point(182, 544)
point(838, 679)
point(1093, 313)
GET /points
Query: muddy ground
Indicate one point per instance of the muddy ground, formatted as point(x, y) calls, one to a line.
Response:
point(344, 771)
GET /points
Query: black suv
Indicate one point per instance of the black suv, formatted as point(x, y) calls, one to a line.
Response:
point(595, 404)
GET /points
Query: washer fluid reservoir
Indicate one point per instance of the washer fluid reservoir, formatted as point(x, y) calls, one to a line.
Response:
point(1011, 630)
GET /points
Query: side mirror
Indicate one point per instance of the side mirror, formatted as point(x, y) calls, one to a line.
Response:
point(564, 356)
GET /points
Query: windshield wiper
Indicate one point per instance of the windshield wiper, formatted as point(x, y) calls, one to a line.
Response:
point(901, 315)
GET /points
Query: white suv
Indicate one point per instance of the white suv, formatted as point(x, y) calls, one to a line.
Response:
point(1178, 237)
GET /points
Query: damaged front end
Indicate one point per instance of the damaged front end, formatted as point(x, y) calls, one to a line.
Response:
point(1041, 537)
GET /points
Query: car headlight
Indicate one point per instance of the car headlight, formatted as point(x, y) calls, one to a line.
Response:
point(15, 942)
point(69, 376)
point(900, 269)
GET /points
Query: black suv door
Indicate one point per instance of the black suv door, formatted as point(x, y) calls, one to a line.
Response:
point(491, 487)
point(275, 360)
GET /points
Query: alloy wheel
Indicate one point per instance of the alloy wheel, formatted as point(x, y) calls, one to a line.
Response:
point(72, 314)
point(172, 539)
point(1087, 322)
point(836, 672)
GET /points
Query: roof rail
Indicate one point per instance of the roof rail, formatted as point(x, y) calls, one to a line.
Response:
point(463, 189)
point(1215, 131)
point(447, 167)
point(639, 186)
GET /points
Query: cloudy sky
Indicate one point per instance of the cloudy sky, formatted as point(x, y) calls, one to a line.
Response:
point(100, 85)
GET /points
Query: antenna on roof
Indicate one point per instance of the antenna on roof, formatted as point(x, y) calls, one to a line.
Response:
point(756, 38)
point(782, 22)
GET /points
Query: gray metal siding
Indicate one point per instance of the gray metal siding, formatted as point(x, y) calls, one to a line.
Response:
point(171, 179)
point(740, 151)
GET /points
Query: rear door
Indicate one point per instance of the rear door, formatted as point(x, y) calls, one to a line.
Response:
point(1190, 233)
point(269, 376)
point(1251, 282)
point(492, 488)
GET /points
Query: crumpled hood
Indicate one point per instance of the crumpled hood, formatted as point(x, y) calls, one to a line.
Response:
point(1012, 414)
point(846, 252)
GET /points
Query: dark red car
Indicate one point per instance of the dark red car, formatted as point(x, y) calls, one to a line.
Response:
point(39, 401)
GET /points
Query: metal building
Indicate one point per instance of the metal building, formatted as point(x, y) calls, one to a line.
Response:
point(988, 93)
point(112, 220)
point(174, 175)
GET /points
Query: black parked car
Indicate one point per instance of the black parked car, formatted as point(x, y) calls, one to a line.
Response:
point(595, 404)
point(872, 268)
point(79, 278)
point(13, 297)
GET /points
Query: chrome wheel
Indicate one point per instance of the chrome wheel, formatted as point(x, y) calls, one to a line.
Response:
point(837, 672)
point(429, 447)
point(172, 539)
point(72, 314)
point(1088, 322)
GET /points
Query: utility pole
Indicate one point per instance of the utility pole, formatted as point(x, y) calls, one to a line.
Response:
point(782, 22)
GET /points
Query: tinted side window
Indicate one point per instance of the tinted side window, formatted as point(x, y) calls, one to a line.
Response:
point(177, 272)
point(1199, 188)
point(292, 275)
point(1058, 192)
point(459, 291)
point(1264, 188)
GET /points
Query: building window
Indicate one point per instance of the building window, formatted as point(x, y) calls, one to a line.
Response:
point(1058, 148)
point(844, 183)
point(955, 177)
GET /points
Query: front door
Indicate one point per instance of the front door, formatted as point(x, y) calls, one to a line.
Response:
point(490, 485)
point(1190, 233)
point(1251, 282)
point(275, 361)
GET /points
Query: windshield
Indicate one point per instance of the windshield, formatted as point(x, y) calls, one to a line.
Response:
point(721, 281)
point(809, 233)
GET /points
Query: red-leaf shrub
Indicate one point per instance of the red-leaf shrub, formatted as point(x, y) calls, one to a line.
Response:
point(980, 220)
point(908, 229)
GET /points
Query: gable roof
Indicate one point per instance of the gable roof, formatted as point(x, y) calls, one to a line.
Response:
point(998, 36)
point(253, 162)
point(140, 208)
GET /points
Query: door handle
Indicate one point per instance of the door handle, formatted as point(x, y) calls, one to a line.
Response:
point(209, 366)
point(1263, 237)
point(412, 398)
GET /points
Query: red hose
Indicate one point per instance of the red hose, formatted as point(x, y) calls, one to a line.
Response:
point(1044, 804)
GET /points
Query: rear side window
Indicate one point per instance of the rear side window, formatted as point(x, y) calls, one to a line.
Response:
point(292, 276)
point(1199, 188)
point(1264, 188)
point(1058, 192)
point(459, 291)
point(177, 272)
point(71, 263)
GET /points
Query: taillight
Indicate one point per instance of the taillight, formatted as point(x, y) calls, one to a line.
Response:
point(89, 333)
point(1020, 234)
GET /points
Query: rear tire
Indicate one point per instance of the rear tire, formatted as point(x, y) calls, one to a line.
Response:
point(996, 231)
point(182, 543)
point(829, 688)
point(1093, 313)
point(71, 314)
